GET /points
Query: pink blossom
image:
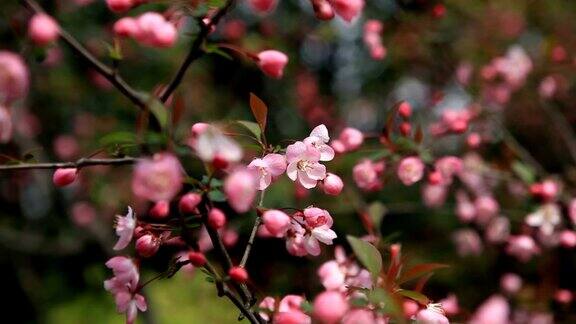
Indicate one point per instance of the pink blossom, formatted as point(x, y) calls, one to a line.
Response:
point(129, 303)
point(238, 274)
point(14, 77)
point(373, 40)
point(548, 87)
point(332, 184)
point(329, 307)
point(43, 29)
point(272, 63)
point(495, 310)
point(486, 208)
point(308, 229)
point(467, 242)
point(154, 30)
point(214, 147)
point(563, 296)
point(568, 239)
point(465, 209)
point(293, 317)
point(367, 174)
point(5, 125)
point(189, 202)
point(450, 305)
point(410, 170)
point(331, 276)
point(160, 210)
point(240, 189)
point(147, 245)
point(431, 315)
point(348, 9)
point(342, 273)
point(303, 164)
point(83, 213)
point(498, 230)
point(120, 5)
point(362, 316)
point(434, 195)
point(511, 283)
point(449, 166)
point(65, 146)
point(263, 6)
point(216, 218)
point(157, 179)
point(276, 222)
point(351, 139)
point(522, 247)
point(546, 218)
point(125, 273)
point(125, 226)
point(126, 27)
point(319, 138)
point(268, 168)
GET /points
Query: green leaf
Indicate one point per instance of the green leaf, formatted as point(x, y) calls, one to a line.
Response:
point(420, 270)
point(387, 302)
point(159, 111)
point(217, 196)
point(377, 211)
point(419, 297)
point(253, 127)
point(523, 171)
point(367, 254)
point(259, 110)
point(306, 307)
point(116, 138)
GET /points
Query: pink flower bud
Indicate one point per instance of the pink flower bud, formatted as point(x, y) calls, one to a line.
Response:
point(329, 307)
point(410, 308)
point(197, 259)
point(348, 9)
point(160, 209)
point(276, 222)
point(494, 310)
point(238, 274)
point(323, 10)
point(262, 6)
point(64, 177)
point(410, 170)
point(147, 245)
point(240, 188)
point(43, 29)
point(568, 239)
point(351, 138)
point(216, 218)
point(405, 128)
point(126, 27)
point(511, 283)
point(338, 146)
point(405, 109)
point(272, 63)
point(119, 5)
point(474, 140)
point(333, 184)
point(563, 296)
point(165, 35)
point(189, 202)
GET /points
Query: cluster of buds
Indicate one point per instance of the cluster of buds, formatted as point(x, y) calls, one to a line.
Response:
point(150, 29)
point(373, 40)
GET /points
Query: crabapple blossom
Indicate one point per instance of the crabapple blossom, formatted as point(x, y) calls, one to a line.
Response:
point(468, 242)
point(373, 40)
point(147, 245)
point(154, 30)
point(238, 274)
point(348, 9)
point(272, 63)
point(323, 10)
point(189, 202)
point(124, 287)
point(308, 228)
point(240, 189)
point(432, 314)
point(546, 218)
point(126, 27)
point(342, 273)
point(161, 209)
point(486, 208)
point(522, 247)
point(497, 230)
point(410, 308)
point(268, 168)
point(450, 305)
point(568, 239)
point(351, 139)
point(158, 178)
point(465, 209)
point(405, 109)
point(319, 138)
point(43, 29)
point(5, 125)
point(410, 170)
point(125, 271)
point(125, 226)
point(494, 310)
point(367, 175)
point(276, 222)
point(130, 304)
point(563, 296)
point(332, 184)
point(14, 77)
point(64, 177)
point(434, 195)
point(214, 147)
point(216, 218)
point(329, 307)
point(303, 164)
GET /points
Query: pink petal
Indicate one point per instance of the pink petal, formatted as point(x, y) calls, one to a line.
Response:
point(276, 164)
point(306, 181)
point(292, 171)
point(295, 151)
point(317, 171)
point(321, 132)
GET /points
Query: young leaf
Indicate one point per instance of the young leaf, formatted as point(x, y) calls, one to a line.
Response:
point(367, 254)
point(159, 111)
point(377, 210)
point(259, 110)
point(252, 127)
point(419, 297)
point(523, 171)
point(420, 270)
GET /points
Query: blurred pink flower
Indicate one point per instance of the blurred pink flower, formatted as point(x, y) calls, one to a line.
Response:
point(410, 170)
point(14, 77)
point(240, 188)
point(272, 63)
point(157, 179)
point(495, 310)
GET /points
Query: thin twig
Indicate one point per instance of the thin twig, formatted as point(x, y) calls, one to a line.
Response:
point(107, 72)
point(196, 51)
point(250, 243)
point(83, 162)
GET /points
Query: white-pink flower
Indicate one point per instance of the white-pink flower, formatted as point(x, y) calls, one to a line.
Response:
point(319, 138)
point(129, 303)
point(308, 229)
point(240, 189)
point(268, 168)
point(303, 164)
point(125, 273)
point(125, 226)
point(214, 147)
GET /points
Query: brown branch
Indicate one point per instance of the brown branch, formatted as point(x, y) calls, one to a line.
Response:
point(83, 162)
point(250, 243)
point(196, 51)
point(107, 72)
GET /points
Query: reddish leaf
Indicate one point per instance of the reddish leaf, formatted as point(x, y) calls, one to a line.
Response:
point(419, 270)
point(259, 110)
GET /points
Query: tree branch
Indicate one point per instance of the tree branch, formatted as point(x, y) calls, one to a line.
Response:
point(83, 162)
point(196, 51)
point(253, 233)
point(107, 72)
